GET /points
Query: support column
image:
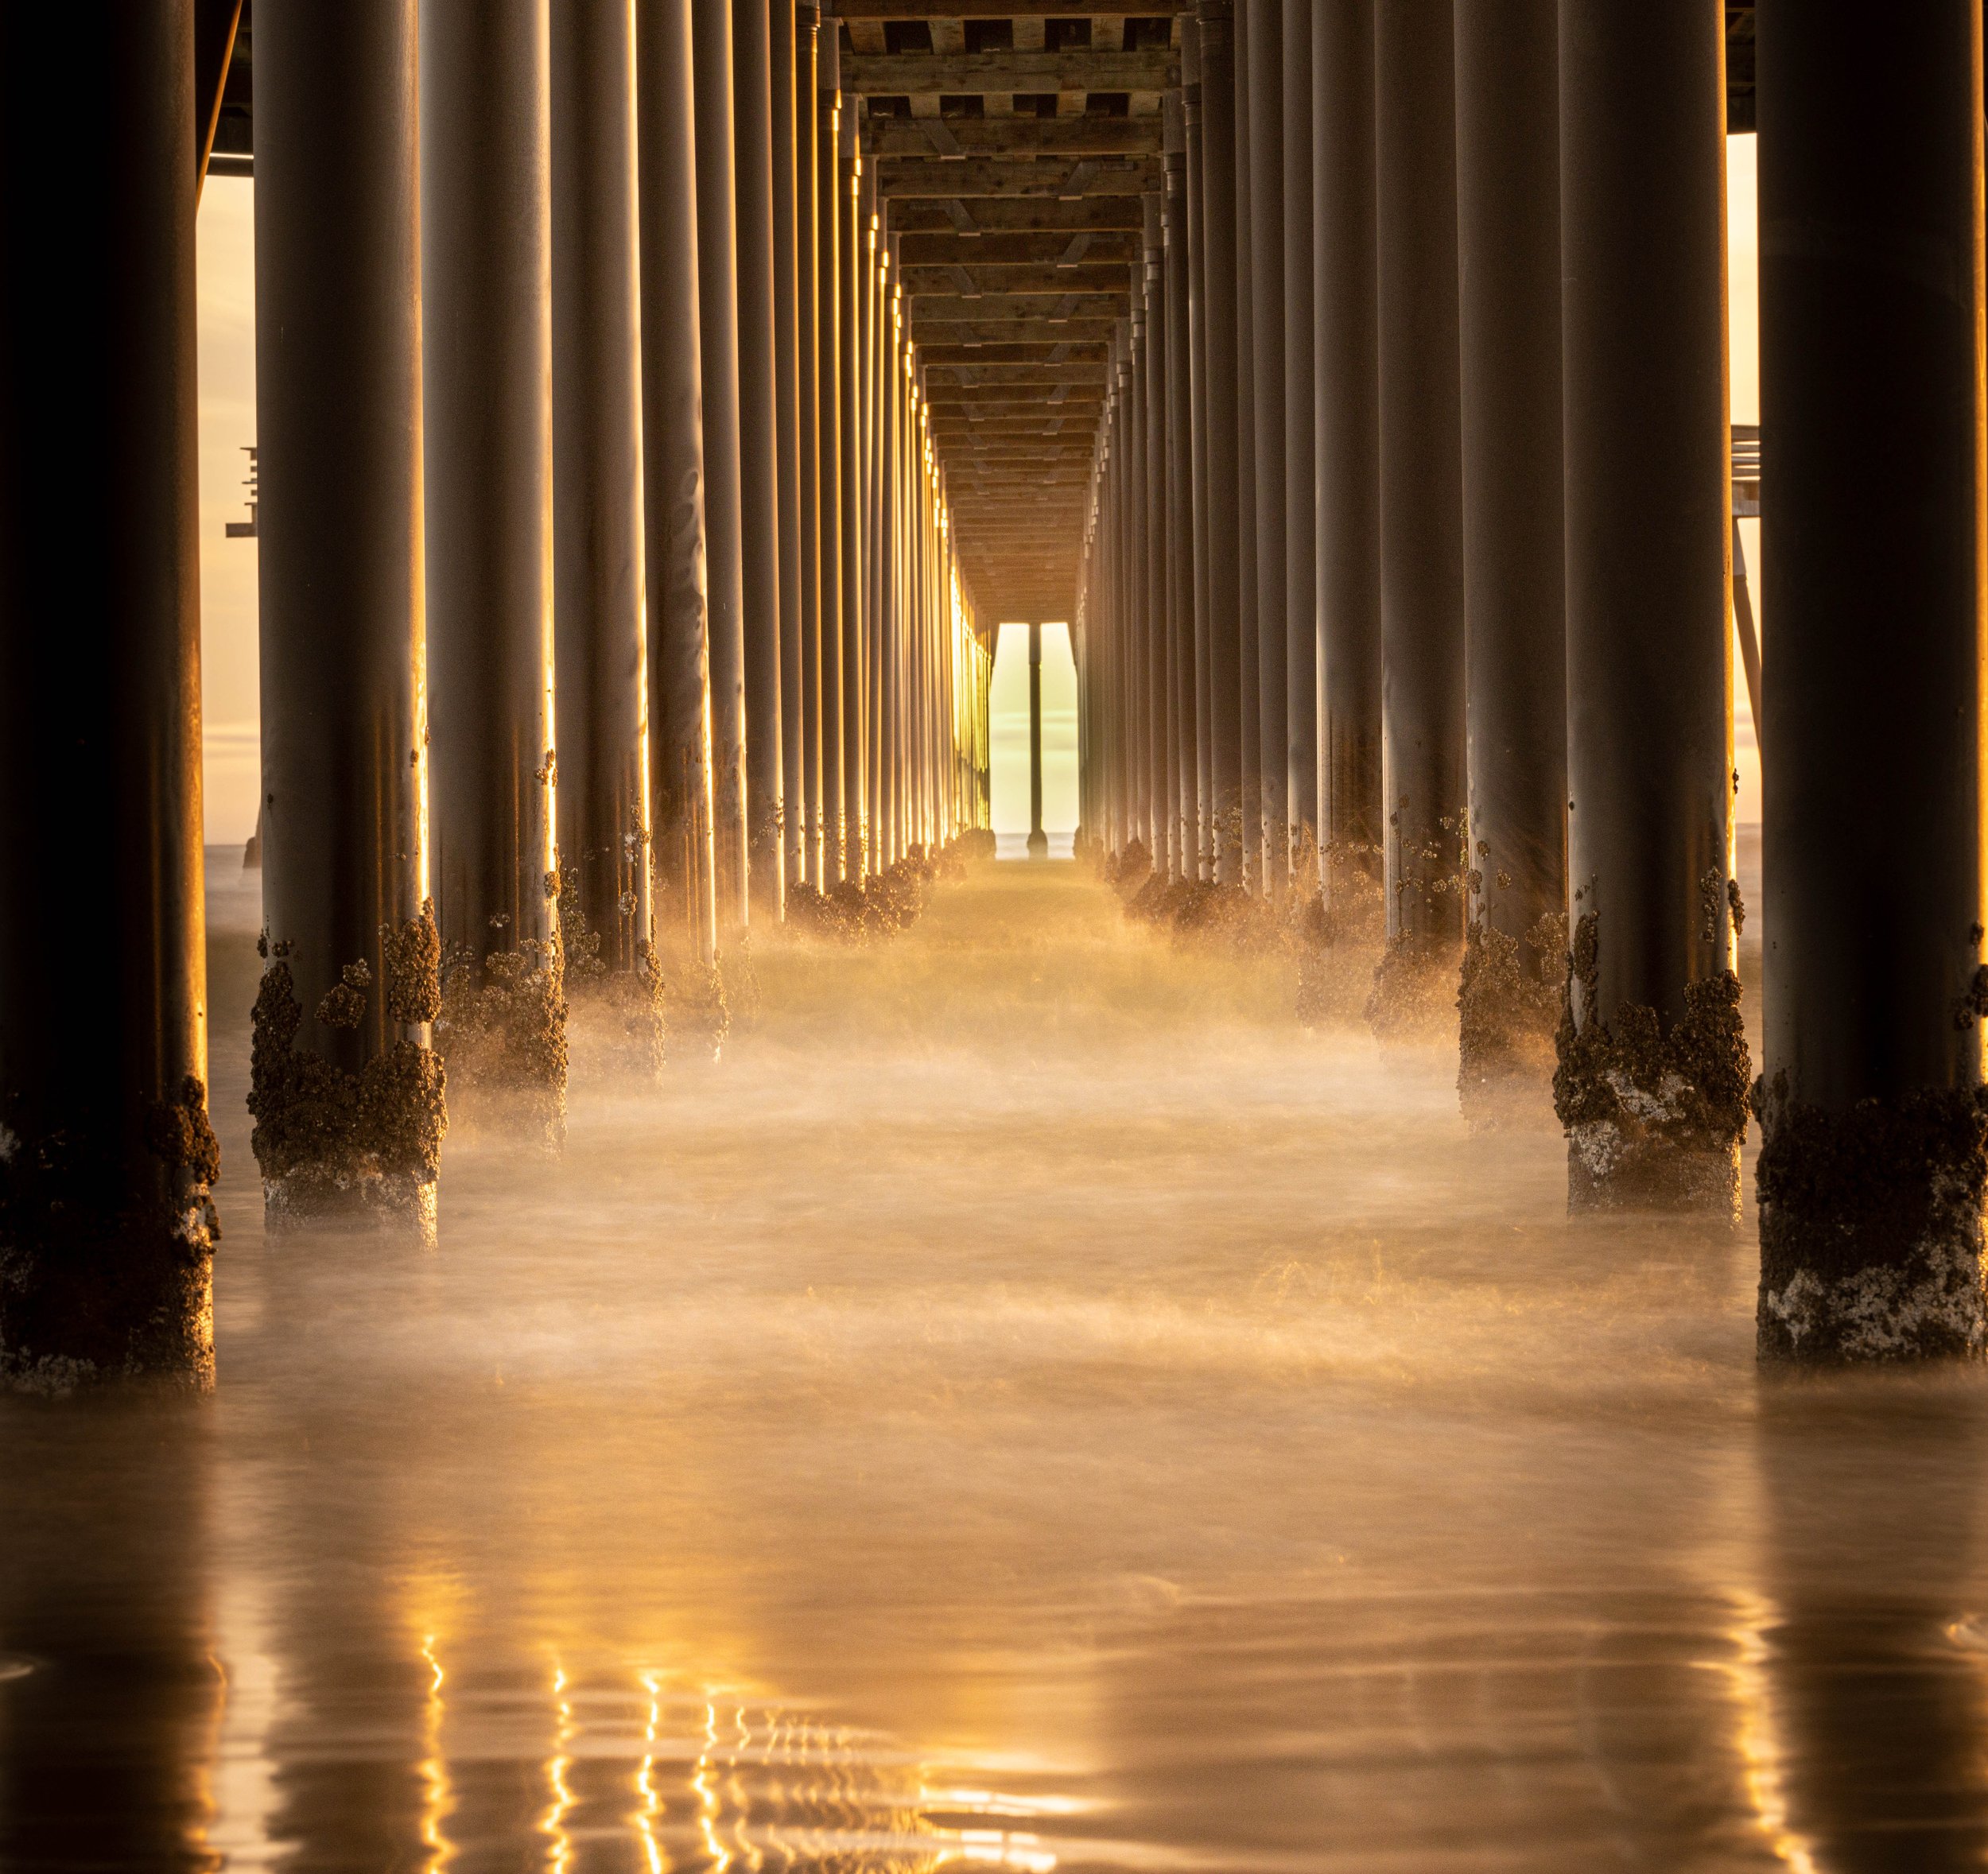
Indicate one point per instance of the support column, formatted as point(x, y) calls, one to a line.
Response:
point(759, 451)
point(1514, 556)
point(1649, 632)
point(347, 1099)
point(606, 923)
point(1158, 629)
point(1249, 599)
point(1180, 498)
point(1191, 113)
point(786, 370)
point(1352, 821)
point(1216, 22)
point(1265, 90)
point(724, 543)
point(486, 421)
point(1038, 840)
point(890, 564)
point(1301, 535)
point(1421, 519)
point(672, 483)
point(849, 276)
point(872, 303)
point(1871, 1176)
point(829, 341)
point(106, 1154)
point(1131, 495)
point(808, 304)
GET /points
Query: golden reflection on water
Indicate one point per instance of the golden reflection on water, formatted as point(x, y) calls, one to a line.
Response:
point(1032, 1408)
point(437, 1799)
point(1757, 1743)
point(648, 1818)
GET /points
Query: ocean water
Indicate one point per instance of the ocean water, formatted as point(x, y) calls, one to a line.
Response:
point(1029, 1405)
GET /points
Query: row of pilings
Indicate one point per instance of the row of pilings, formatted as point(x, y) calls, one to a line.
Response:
point(1407, 588)
point(609, 603)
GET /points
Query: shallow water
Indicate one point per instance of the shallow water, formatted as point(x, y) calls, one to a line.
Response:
point(1030, 1406)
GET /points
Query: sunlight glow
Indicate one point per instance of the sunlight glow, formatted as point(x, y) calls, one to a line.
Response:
point(559, 1853)
point(438, 1799)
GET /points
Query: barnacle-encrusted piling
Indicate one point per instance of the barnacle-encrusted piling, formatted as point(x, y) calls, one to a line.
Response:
point(614, 1009)
point(1413, 996)
point(106, 1255)
point(105, 1152)
point(1514, 558)
point(1655, 1111)
point(501, 1028)
point(1652, 1075)
point(486, 414)
point(606, 914)
point(347, 1098)
point(1871, 1238)
point(339, 1144)
point(1508, 1004)
point(1421, 529)
point(1874, 1133)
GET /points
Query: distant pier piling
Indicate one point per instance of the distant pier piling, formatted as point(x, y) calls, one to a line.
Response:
point(1653, 1069)
point(347, 1091)
point(1514, 557)
point(1421, 517)
point(487, 427)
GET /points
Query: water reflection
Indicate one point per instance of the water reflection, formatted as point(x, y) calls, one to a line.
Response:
point(113, 1693)
point(1035, 1411)
point(1875, 1663)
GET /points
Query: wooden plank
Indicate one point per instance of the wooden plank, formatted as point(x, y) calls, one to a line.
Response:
point(964, 74)
point(960, 403)
point(981, 10)
point(1016, 177)
point(1047, 247)
point(996, 277)
point(1041, 376)
point(1048, 310)
point(1090, 215)
point(956, 138)
point(967, 334)
point(1090, 351)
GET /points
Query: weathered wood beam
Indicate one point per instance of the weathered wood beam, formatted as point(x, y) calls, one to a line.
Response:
point(1023, 476)
point(1053, 281)
point(1046, 309)
point(956, 403)
point(980, 9)
point(1016, 177)
point(1047, 247)
point(1012, 454)
point(924, 138)
point(1091, 351)
point(969, 74)
point(998, 474)
point(934, 336)
point(1041, 375)
point(1092, 214)
point(1012, 428)
point(1064, 421)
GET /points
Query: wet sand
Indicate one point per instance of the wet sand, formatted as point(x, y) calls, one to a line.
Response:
point(1030, 1406)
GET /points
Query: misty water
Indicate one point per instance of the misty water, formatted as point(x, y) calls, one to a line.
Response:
point(1031, 1406)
